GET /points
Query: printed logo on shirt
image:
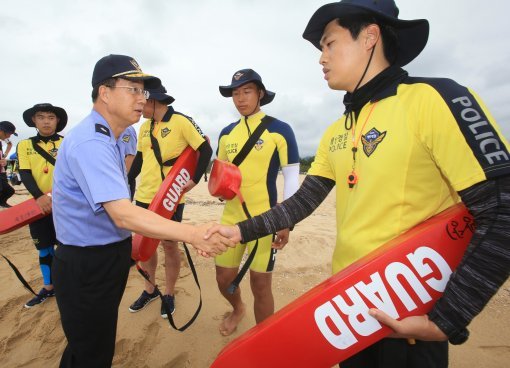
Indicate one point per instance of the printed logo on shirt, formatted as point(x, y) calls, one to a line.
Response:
point(481, 135)
point(259, 145)
point(165, 131)
point(338, 142)
point(126, 138)
point(483, 139)
point(53, 152)
point(31, 151)
point(196, 127)
point(371, 140)
point(231, 148)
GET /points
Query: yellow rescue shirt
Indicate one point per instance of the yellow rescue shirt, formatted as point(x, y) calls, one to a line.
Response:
point(174, 134)
point(30, 159)
point(275, 148)
point(418, 145)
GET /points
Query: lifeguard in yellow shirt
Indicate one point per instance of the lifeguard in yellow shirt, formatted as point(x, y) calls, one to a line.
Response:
point(275, 148)
point(37, 156)
point(161, 139)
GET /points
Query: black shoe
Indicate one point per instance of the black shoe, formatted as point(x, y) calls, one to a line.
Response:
point(169, 301)
point(143, 301)
point(39, 298)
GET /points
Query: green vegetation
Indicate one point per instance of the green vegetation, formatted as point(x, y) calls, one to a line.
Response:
point(305, 163)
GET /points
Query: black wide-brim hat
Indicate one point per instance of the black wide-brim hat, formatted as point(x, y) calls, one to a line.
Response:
point(160, 94)
point(46, 107)
point(412, 35)
point(242, 77)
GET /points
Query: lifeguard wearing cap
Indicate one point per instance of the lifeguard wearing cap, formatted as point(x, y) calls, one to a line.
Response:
point(396, 131)
point(242, 77)
point(7, 127)
point(59, 112)
point(255, 147)
point(162, 140)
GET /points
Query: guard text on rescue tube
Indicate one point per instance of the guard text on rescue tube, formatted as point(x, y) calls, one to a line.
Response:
point(352, 316)
point(173, 194)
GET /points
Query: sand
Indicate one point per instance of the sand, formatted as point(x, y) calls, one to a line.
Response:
point(34, 337)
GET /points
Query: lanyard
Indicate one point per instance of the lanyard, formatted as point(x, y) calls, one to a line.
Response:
point(352, 178)
point(43, 152)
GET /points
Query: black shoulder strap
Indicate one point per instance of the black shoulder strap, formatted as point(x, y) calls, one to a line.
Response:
point(157, 152)
point(252, 140)
point(165, 305)
point(266, 120)
point(42, 152)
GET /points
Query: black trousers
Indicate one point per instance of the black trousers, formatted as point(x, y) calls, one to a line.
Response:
point(398, 353)
point(89, 284)
point(6, 191)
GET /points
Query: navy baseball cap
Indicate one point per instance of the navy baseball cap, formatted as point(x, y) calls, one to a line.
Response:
point(8, 127)
point(160, 94)
point(121, 66)
point(243, 76)
point(412, 35)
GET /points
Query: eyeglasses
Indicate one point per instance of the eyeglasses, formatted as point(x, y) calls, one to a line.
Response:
point(134, 90)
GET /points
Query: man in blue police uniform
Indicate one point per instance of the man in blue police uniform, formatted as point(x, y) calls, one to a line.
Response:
point(94, 216)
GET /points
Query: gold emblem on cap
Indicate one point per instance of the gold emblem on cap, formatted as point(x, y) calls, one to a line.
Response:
point(135, 64)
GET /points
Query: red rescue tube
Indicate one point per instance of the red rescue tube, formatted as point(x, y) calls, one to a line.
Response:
point(330, 322)
point(20, 215)
point(166, 200)
point(225, 180)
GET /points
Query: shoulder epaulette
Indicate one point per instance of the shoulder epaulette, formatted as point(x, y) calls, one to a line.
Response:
point(102, 129)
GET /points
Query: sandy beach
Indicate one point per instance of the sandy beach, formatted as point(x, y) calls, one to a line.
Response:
point(34, 338)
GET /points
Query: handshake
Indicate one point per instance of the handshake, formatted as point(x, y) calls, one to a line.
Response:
point(212, 239)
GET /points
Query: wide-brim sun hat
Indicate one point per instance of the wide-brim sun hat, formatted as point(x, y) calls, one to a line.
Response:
point(46, 107)
point(412, 35)
point(160, 94)
point(242, 77)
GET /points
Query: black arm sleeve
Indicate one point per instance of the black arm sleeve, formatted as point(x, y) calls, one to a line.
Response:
point(486, 263)
point(203, 160)
point(308, 197)
point(136, 167)
point(29, 183)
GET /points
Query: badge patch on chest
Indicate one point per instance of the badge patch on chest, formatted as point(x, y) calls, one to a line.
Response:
point(259, 144)
point(126, 138)
point(53, 152)
point(165, 132)
point(371, 140)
